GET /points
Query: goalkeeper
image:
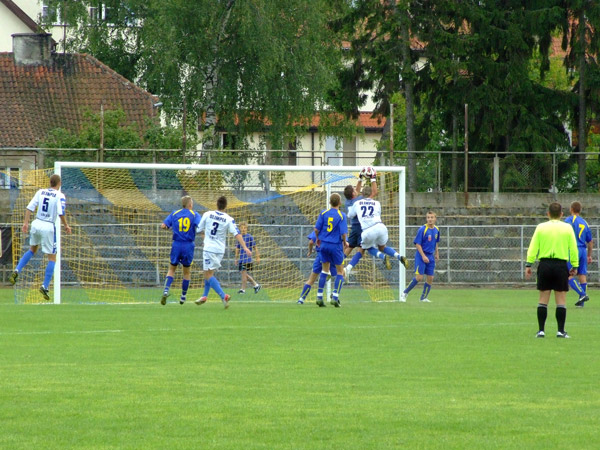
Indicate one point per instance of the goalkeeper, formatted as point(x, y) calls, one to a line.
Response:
point(352, 195)
point(183, 222)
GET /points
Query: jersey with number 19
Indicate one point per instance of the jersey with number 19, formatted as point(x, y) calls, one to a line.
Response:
point(50, 204)
point(184, 223)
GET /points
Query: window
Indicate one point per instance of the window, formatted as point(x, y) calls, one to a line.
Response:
point(292, 153)
point(349, 152)
point(103, 13)
point(52, 14)
point(10, 177)
point(333, 152)
point(229, 141)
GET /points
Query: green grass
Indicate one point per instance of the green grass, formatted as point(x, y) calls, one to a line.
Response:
point(462, 372)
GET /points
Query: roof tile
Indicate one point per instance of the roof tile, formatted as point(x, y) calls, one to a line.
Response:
point(37, 99)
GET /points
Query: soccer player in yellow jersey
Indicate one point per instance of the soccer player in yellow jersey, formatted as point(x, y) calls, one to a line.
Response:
point(553, 244)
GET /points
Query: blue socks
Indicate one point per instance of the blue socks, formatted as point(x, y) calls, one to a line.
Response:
point(168, 282)
point(214, 283)
point(386, 251)
point(305, 291)
point(24, 260)
point(426, 289)
point(412, 284)
point(574, 283)
point(322, 281)
point(337, 286)
point(185, 284)
point(391, 252)
point(48, 274)
point(206, 288)
point(355, 259)
point(583, 287)
point(376, 253)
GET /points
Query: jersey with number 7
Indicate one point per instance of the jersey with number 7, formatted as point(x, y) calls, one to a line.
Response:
point(215, 225)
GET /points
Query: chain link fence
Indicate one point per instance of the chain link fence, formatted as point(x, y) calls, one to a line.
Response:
point(493, 255)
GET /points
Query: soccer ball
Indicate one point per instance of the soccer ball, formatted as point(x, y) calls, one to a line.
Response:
point(368, 172)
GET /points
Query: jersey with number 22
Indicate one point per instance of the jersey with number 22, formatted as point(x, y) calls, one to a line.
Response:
point(215, 225)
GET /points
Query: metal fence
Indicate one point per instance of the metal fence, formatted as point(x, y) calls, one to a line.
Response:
point(436, 171)
point(469, 255)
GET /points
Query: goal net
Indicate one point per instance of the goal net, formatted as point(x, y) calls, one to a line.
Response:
point(117, 252)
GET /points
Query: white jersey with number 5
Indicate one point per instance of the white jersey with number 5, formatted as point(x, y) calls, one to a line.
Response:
point(215, 225)
point(368, 212)
point(50, 203)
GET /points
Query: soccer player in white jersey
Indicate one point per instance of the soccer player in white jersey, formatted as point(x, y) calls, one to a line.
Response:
point(215, 225)
point(50, 203)
point(374, 233)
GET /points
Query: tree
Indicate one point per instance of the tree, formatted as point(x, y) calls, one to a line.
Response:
point(110, 128)
point(582, 40)
point(247, 63)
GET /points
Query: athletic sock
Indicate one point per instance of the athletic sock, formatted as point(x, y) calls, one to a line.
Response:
point(49, 273)
point(355, 259)
point(24, 260)
point(206, 288)
point(305, 290)
point(412, 284)
point(426, 289)
point(168, 282)
point(542, 313)
point(391, 252)
point(561, 317)
point(376, 253)
point(185, 284)
point(337, 286)
point(576, 286)
point(584, 288)
point(214, 283)
point(322, 281)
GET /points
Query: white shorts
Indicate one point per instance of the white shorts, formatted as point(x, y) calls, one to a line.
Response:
point(212, 261)
point(44, 234)
point(374, 236)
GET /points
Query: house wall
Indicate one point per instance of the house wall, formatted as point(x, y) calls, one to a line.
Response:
point(10, 24)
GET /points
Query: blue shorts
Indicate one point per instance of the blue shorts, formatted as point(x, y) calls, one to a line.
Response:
point(582, 269)
point(332, 253)
point(182, 253)
point(318, 267)
point(354, 238)
point(422, 268)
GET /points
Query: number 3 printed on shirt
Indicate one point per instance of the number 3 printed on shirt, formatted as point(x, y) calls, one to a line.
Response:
point(213, 232)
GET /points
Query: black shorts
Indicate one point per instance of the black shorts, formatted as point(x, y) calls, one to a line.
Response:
point(354, 238)
point(553, 275)
point(245, 266)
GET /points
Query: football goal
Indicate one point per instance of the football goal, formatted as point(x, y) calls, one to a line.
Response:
point(118, 253)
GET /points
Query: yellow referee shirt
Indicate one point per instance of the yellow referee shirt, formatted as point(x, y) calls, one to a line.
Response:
point(553, 239)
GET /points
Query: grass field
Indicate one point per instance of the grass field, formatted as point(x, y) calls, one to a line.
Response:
point(462, 372)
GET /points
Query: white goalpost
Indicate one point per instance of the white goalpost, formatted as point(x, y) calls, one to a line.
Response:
point(118, 254)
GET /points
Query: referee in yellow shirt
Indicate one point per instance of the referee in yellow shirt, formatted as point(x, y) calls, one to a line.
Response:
point(553, 243)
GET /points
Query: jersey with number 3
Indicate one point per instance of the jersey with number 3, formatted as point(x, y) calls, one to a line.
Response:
point(50, 203)
point(183, 222)
point(368, 212)
point(215, 225)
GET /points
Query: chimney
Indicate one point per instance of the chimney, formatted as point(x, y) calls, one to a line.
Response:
point(32, 49)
